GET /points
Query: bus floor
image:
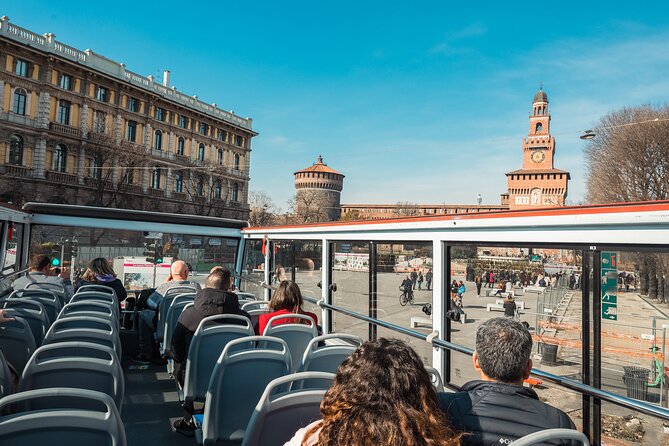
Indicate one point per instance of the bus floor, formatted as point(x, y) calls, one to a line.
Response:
point(150, 406)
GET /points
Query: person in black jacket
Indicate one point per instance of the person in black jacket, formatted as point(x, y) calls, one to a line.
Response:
point(497, 409)
point(215, 298)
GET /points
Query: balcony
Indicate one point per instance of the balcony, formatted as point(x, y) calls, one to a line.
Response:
point(17, 171)
point(96, 183)
point(18, 119)
point(61, 177)
point(132, 189)
point(132, 146)
point(159, 193)
point(65, 129)
point(100, 138)
point(161, 154)
point(183, 159)
point(179, 196)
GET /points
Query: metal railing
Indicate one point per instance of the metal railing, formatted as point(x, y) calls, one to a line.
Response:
point(567, 383)
point(12, 274)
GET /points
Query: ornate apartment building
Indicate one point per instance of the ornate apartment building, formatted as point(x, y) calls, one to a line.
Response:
point(538, 183)
point(78, 128)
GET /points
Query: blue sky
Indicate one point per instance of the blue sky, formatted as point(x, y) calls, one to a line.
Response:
point(417, 101)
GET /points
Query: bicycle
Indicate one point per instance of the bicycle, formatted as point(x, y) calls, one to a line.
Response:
point(406, 296)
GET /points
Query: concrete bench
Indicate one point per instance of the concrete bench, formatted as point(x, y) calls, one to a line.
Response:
point(534, 289)
point(493, 293)
point(499, 307)
point(418, 320)
point(520, 304)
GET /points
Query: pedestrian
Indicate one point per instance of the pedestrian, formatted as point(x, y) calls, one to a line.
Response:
point(509, 307)
point(477, 281)
point(454, 289)
point(420, 280)
point(491, 280)
point(428, 279)
point(414, 278)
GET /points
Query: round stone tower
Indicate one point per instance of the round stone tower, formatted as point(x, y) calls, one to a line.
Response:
point(318, 192)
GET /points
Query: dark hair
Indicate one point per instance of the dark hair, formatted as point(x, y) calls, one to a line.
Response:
point(503, 346)
point(39, 261)
point(287, 297)
point(219, 279)
point(382, 395)
point(97, 267)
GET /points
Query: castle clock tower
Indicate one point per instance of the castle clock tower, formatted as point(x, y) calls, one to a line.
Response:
point(538, 183)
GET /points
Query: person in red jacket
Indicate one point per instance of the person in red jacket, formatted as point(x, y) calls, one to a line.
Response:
point(287, 299)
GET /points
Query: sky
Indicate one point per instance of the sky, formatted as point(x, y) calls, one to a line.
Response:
point(421, 101)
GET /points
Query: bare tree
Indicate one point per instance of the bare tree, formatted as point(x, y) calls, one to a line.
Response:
point(262, 209)
point(405, 209)
point(628, 160)
point(307, 207)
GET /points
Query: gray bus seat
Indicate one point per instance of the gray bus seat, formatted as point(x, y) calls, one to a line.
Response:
point(551, 434)
point(164, 306)
point(99, 296)
point(33, 312)
point(255, 314)
point(327, 358)
point(229, 405)
point(296, 335)
point(6, 379)
point(87, 329)
point(97, 422)
point(435, 377)
point(60, 290)
point(46, 369)
point(88, 308)
point(255, 305)
point(279, 414)
point(50, 300)
point(171, 318)
point(17, 342)
point(211, 337)
point(97, 287)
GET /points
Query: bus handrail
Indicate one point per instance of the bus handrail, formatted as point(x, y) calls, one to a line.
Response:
point(567, 383)
point(16, 273)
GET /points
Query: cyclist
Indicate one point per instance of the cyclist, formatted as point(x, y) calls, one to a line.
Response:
point(407, 289)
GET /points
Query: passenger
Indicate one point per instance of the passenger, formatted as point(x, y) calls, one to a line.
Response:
point(381, 395)
point(215, 298)
point(38, 272)
point(148, 318)
point(99, 272)
point(287, 299)
point(497, 409)
point(3, 318)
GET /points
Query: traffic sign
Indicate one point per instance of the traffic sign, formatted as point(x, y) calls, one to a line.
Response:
point(609, 283)
point(609, 311)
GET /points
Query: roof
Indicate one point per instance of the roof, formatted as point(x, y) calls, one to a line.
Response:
point(541, 96)
point(319, 166)
point(536, 171)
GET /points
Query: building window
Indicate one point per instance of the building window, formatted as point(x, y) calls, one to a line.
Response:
point(217, 190)
point(129, 176)
point(64, 112)
point(181, 146)
point(99, 121)
point(16, 150)
point(237, 161)
point(155, 178)
point(21, 68)
point(239, 141)
point(66, 82)
point(219, 156)
point(131, 134)
point(222, 135)
point(102, 94)
point(97, 166)
point(160, 114)
point(133, 104)
point(536, 196)
point(199, 188)
point(20, 97)
point(200, 152)
point(183, 122)
point(179, 182)
point(538, 127)
point(158, 140)
point(235, 192)
point(203, 128)
point(60, 158)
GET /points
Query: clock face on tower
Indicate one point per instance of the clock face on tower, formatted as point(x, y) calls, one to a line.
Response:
point(538, 156)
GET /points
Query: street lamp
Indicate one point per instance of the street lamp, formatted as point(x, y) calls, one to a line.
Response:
point(588, 134)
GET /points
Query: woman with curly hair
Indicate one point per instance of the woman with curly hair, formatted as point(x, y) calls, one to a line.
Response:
point(381, 395)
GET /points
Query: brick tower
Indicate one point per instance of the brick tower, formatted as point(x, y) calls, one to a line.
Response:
point(318, 194)
point(538, 183)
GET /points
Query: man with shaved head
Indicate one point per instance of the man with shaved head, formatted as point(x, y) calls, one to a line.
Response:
point(148, 318)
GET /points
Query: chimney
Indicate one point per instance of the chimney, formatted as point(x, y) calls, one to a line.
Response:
point(166, 78)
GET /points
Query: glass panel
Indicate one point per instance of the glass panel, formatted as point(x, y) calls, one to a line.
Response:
point(634, 324)
point(253, 268)
point(398, 265)
point(541, 287)
point(625, 427)
point(12, 256)
point(350, 273)
point(308, 259)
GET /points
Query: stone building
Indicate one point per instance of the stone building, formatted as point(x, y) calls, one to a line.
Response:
point(318, 191)
point(381, 211)
point(538, 183)
point(79, 128)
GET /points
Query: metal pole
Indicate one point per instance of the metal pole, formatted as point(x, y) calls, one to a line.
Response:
point(597, 343)
point(664, 340)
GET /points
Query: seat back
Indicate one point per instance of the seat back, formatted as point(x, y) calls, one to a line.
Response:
point(97, 421)
point(255, 314)
point(59, 290)
point(81, 349)
point(99, 296)
point(229, 404)
point(255, 305)
point(6, 380)
point(279, 414)
point(296, 335)
point(177, 306)
point(97, 287)
point(209, 340)
point(88, 308)
point(435, 377)
point(551, 434)
point(32, 311)
point(46, 369)
point(164, 306)
point(327, 357)
point(49, 299)
point(17, 342)
point(87, 329)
